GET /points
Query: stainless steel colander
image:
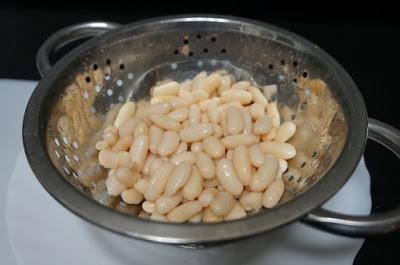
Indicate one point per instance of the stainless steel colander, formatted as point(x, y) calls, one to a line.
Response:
point(71, 104)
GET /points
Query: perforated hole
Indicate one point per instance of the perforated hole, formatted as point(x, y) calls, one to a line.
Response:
point(108, 61)
point(271, 66)
point(121, 67)
point(213, 39)
point(95, 67)
point(191, 53)
point(223, 50)
point(305, 74)
point(88, 79)
point(198, 36)
point(283, 62)
point(186, 40)
point(176, 51)
point(205, 50)
point(295, 63)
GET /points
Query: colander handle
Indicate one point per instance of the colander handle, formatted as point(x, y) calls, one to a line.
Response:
point(67, 35)
point(363, 226)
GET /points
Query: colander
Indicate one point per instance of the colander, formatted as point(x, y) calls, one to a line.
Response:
point(79, 94)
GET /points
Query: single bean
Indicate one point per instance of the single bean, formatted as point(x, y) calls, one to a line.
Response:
point(213, 146)
point(110, 137)
point(111, 159)
point(248, 123)
point(262, 125)
point(165, 122)
point(252, 201)
point(205, 165)
point(128, 127)
point(225, 84)
point(102, 145)
point(198, 95)
point(234, 120)
point(273, 193)
point(207, 196)
point(196, 147)
point(280, 150)
point(169, 143)
point(139, 149)
point(210, 217)
point(258, 96)
point(178, 178)
point(222, 204)
point(123, 144)
point(223, 107)
point(211, 183)
point(114, 187)
point(256, 155)
point(212, 112)
point(194, 186)
point(149, 160)
point(242, 85)
point(237, 212)
point(194, 114)
point(158, 181)
point(256, 111)
point(197, 79)
point(285, 131)
point(227, 177)
point(232, 141)
point(141, 128)
point(170, 88)
point(131, 196)
point(141, 185)
point(241, 164)
point(196, 132)
point(269, 91)
point(184, 212)
point(158, 217)
point(165, 204)
point(179, 102)
point(184, 156)
point(155, 134)
point(126, 111)
point(282, 165)
point(154, 165)
point(272, 111)
point(160, 108)
point(210, 83)
point(127, 175)
point(265, 175)
point(180, 114)
point(149, 207)
point(242, 96)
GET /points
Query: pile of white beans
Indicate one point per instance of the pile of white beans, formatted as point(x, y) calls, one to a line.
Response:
point(208, 149)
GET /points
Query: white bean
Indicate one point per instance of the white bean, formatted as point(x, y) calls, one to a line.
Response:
point(285, 131)
point(180, 114)
point(269, 91)
point(263, 125)
point(227, 177)
point(160, 108)
point(154, 165)
point(186, 85)
point(234, 120)
point(127, 175)
point(149, 207)
point(196, 132)
point(149, 160)
point(210, 217)
point(237, 212)
point(141, 128)
point(165, 204)
point(178, 178)
point(256, 111)
point(225, 84)
point(272, 110)
point(196, 218)
point(282, 165)
point(258, 96)
point(169, 143)
point(205, 165)
point(204, 118)
point(184, 156)
point(123, 143)
point(102, 145)
point(207, 196)
point(242, 96)
point(125, 112)
point(273, 193)
point(155, 134)
point(131, 196)
point(111, 159)
point(232, 141)
point(139, 149)
point(198, 95)
point(218, 130)
point(213, 114)
point(280, 150)
point(251, 201)
point(196, 147)
point(114, 187)
point(256, 155)
point(248, 123)
point(194, 186)
point(213, 147)
point(110, 137)
point(194, 114)
point(211, 183)
point(222, 204)
point(222, 108)
point(241, 163)
point(178, 102)
point(185, 211)
point(197, 79)
point(168, 89)
point(128, 127)
point(141, 185)
point(158, 217)
point(182, 147)
point(243, 85)
point(158, 181)
point(165, 122)
point(265, 175)
point(210, 83)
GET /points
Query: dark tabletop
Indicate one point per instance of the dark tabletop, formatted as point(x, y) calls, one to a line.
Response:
point(365, 40)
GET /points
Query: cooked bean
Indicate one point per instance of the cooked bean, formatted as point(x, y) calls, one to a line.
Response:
point(210, 217)
point(179, 102)
point(197, 79)
point(155, 134)
point(270, 135)
point(207, 196)
point(182, 147)
point(265, 175)
point(263, 125)
point(269, 91)
point(243, 85)
point(222, 108)
point(241, 164)
point(184, 93)
point(186, 85)
point(229, 154)
point(158, 217)
point(131, 196)
point(210, 83)
point(128, 127)
point(149, 160)
point(127, 175)
point(168, 89)
point(273, 194)
point(158, 181)
point(227, 177)
point(222, 204)
point(248, 123)
point(141, 185)
point(154, 165)
point(213, 147)
point(178, 178)
point(280, 150)
point(272, 111)
point(204, 118)
point(205, 165)
point(237, 212)
point(184, 156)
point(194, 114)
point(196, 218)
point(123, 144)
point(234, 120)
point(256, 111)
point(184, 212)
point(218, 131)
point(232, 141)
point(169, 143)
point(165, 122)
point(160, 108)
point(251, 201)
point(114, 187)
point(141, 128)
point(113, 159)
point(149, 207)
point(258, 96)
point(125, 112)
point(212, 112)
point(110, 137)
point(285, 131)
point(198, 95)
point(196, 132)
point(139, 149)
point(180, 114)
point(211, 183)
point(196, 147)
point(256, 155)
point(102, 145)
point(193, 186)
point(165, 204)
point(225, 84)
point(283, 165)
point(242, 96)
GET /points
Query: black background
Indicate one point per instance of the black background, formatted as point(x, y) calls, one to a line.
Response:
point(364, 38)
